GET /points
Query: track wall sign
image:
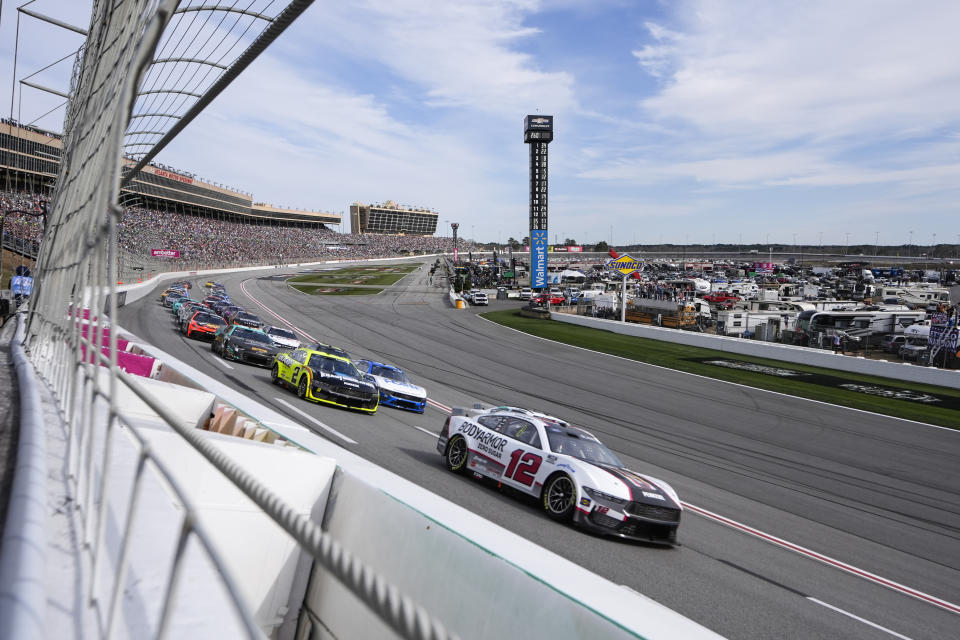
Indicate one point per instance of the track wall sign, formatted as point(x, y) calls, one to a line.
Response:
point(538, 133)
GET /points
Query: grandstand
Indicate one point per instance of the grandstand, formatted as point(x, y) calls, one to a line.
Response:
point(30, 160)
point(392, 218)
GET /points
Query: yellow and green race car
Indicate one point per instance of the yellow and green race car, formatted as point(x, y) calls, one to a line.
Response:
point(323, 377)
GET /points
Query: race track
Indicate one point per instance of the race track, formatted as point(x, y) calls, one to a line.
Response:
point(876, 493)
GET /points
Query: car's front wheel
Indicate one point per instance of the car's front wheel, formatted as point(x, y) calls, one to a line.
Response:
point(275, 374)
point(456, 455)
point(558, 497)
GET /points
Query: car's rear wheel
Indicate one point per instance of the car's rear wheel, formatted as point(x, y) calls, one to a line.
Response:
point(302, 387)
point(275, 373)
point(558, 497)
point(456, 455)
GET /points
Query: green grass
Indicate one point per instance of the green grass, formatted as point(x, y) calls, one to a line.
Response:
point(339, 291)
point(383, 275)
point(674, 356)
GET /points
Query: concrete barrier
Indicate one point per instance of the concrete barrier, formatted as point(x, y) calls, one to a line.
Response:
point(773, 351)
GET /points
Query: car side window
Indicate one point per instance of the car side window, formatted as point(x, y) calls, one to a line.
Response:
point(522, 430)
point(299, 356)
point(490, 422)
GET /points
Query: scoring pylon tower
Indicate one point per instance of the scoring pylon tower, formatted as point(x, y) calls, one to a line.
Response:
point(538, 133)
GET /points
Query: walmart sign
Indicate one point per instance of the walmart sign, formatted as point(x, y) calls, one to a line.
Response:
point(538, 258)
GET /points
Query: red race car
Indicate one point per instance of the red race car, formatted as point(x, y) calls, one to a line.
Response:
point(202, 325)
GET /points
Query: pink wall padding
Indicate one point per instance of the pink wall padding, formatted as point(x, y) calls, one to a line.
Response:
point(133, 363)
point(122, 345)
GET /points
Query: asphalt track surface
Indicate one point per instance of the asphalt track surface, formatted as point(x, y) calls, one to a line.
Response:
point(866, 507)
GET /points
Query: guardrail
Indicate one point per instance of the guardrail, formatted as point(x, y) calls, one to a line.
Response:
point(784, 352)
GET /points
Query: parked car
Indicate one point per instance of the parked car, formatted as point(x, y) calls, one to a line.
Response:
point(479, 298)
point(526, 293)
point(917, 352)
point(892, 342)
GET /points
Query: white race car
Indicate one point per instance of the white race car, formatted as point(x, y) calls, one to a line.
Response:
point(283, 338)
point(572, 473)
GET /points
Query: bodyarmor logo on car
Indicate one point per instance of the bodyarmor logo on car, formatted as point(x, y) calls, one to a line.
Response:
point(488, 442)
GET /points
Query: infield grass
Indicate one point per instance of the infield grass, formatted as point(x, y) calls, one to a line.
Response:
point(385, 275)
point(686, 358)
point(336, 290)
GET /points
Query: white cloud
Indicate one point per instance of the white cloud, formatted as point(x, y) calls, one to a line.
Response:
point(461, 53)
point(769, 72)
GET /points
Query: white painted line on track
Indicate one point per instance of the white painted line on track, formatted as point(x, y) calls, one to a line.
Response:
point(428, 432)
point(222, 362)
point(320, 424)
point(866, 575)
point(837, 564)
point(858, 618)
point(243, 287)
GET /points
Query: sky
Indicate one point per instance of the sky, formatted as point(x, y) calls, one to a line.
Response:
point(680, 121)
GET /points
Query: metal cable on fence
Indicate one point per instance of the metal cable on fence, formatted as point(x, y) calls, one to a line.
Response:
point(399, 612)
point(77, 266)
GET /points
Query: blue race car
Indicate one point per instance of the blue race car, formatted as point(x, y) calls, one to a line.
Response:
point(396, 390)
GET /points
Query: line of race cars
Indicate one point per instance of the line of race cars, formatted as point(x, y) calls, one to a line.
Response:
point(319, 372)
point(574, 476)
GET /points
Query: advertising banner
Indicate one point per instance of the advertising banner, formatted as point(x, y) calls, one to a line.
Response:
point(21, 285)
point(944, 337)
point(165, 253)
point(538, 258)
point(624, 265)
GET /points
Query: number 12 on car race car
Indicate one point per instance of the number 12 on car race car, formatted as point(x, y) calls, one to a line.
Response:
point(573, 474)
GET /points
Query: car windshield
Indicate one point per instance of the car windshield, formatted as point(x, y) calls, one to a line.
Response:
point(243, 315)
point(389, 373)
point(329, 366)
point(207, 318)
point(572, 443)
point(282, 333)
point(251, 335)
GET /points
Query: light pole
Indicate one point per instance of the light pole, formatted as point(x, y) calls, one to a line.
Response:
point(455, 226)
point(847, 250)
